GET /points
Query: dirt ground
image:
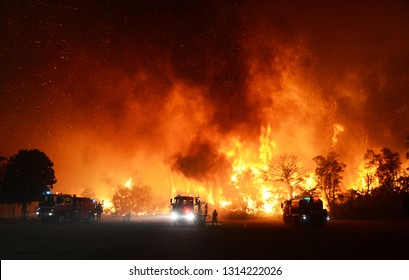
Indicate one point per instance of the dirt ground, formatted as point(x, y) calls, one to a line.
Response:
point(154, 238)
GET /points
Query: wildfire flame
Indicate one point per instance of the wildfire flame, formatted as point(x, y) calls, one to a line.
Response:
point(367, 180)
point(253, 192)
point(108, 205)
point(128, 183)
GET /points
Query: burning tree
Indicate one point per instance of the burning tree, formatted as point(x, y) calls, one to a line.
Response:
point(387, 165)
point(329, 177)
point(246, 182)
point(286, 169)
point(136, 198)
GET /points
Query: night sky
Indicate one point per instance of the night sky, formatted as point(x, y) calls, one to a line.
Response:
point(158, 89)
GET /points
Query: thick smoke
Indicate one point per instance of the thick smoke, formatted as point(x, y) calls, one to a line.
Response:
point(200, 161)
point(332, 63)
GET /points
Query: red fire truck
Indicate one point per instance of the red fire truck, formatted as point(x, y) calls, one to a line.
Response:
point(306, 211)
point(63, 208)
point(187, 210)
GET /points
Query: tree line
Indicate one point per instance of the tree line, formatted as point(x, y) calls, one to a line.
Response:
point(386, 192)
point(26, 176)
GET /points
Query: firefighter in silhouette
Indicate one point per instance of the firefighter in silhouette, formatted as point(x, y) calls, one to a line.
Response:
point(91, 216)
point(214, 217)
point(98, 210)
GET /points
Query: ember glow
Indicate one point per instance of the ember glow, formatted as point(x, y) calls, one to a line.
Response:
point(367, 180)
point(108, 206)
point(128, 183)
point(197, 98)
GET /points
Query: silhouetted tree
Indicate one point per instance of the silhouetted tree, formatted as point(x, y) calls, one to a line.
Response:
point(329, 177)
point(134, 199)
point(286, 169)
point(3, 162)
point(403, 182)
point(387, 164)
point(407, 147)
point(27, 175)
point(87, 192)
point(369, 180)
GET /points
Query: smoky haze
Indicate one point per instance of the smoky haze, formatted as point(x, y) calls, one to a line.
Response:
point(161, 89)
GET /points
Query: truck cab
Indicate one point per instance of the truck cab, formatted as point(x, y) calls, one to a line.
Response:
point(187, 210)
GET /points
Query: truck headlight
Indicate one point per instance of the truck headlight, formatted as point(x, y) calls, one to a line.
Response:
point(174, 216)
point(190, 217)
point(304, 217)
point(50, 214)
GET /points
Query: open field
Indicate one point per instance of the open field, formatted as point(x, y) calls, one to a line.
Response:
point(154, 238)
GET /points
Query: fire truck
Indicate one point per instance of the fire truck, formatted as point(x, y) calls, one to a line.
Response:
point(63, 208)
point(306, 211)
point(187, 210)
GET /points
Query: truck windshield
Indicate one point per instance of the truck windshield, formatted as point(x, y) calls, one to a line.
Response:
point(184, 201)
point(183, 204)
point(48, 200)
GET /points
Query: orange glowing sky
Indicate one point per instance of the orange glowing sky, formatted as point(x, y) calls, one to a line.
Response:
point(162, 90)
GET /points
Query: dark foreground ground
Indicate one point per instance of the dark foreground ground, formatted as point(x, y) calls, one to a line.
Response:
point(153, 238)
